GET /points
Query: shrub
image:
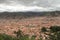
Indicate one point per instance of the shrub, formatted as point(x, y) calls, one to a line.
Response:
point(53, 33)
point(6, 37)
point(21, 36)
point(43, 29)
point(33, 37)
point(18, 33)
point(55, 28)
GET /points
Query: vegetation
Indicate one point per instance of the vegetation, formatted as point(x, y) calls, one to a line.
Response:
point(19, 36)
point(52, 33)
point(43, 29)
point(6, 37)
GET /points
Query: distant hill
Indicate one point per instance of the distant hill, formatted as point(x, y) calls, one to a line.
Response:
point(27, 14)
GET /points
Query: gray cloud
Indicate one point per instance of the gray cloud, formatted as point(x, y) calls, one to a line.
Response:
point(32, 2)
point(48, 4)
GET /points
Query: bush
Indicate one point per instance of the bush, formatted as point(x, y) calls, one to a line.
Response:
point(19, 33)
point(52, 34)
point(6, 37)
point(21, 36)
point(33, 37)
point(55, 28)
point(43, 29)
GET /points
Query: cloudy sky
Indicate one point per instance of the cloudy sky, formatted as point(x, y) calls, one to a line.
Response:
point(29, 5)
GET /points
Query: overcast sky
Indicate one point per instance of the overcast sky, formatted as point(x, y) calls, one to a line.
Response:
point(29, 5)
